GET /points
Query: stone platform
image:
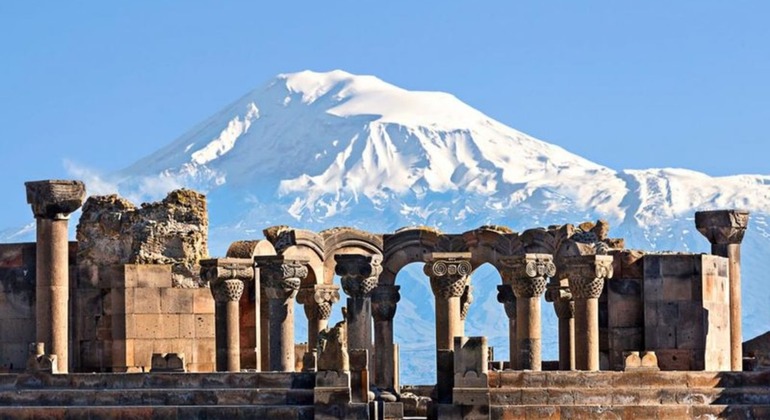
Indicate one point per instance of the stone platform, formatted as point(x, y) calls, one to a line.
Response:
point(512, 395)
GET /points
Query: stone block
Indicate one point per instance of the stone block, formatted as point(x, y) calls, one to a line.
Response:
point(471, 362)
point(205, 326)
point(146, 300)
point(187, 325)
point(627, 312)
point(332, 379)
point(147, 275)
point(675, 359)
point(204, 351)
point(203, 301)
point(176, 301)
point(679, 287)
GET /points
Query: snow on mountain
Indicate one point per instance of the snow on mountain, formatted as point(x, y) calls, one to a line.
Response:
point(316, 150)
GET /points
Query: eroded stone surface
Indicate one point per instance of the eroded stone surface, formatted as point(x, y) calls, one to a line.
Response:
point(173, 231)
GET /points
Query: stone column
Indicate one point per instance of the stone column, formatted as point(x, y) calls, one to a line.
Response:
point(359, 275)
point(281, 279)
point(449, 273)
point(506, 296)
point(527, 274)
point(586, 274)
point(725, 230)
point(226, 278)
point(52, 202)
point(317, 300)
point(384, 301)
point(565, 312)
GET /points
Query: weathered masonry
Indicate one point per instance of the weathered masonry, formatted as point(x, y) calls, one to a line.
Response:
point(138, 300)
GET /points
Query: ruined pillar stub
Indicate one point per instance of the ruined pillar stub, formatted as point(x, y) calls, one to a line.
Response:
point(52, 202)
point(384, 303)
point(281, 278)
point(317, 301)
point(227, 278)
point(359, 275)
point(528, 275)
point(506, 296)
point(725, 229)
point(586, 274)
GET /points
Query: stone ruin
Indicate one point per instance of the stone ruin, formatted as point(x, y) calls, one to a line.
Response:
point(640, 334)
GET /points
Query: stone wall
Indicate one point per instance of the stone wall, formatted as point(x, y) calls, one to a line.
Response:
point(687, 311)
point(173, 231)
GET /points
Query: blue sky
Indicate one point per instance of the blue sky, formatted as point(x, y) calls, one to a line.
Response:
point(625, 84)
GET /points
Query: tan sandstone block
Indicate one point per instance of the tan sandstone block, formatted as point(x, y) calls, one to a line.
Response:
point(147, 300)
point(203, 302)
point(205, 326)
point(176, 301)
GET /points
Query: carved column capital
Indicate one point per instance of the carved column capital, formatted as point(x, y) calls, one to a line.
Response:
point(384, 302)
point(564, 308)
point(527, 273)
point(359, 274)
point(55, 199)
point(226, 277)
point(448, 272)
point(586, 274)
point(280, 277)
point(722, 227)
point(506, 296)
point(318, 300)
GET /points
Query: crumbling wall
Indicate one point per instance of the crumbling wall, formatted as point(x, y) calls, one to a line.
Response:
point(173, 231)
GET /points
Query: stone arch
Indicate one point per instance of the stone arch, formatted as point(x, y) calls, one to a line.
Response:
point(299, 243)
point(405, 246)
point(347, 240)
point(250, 248)
point(488, 244)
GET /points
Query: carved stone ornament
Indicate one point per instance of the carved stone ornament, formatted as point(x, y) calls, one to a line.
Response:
point(227, 290)
point(226, 277)
point(506, 296)
point(448, 274)
point(226, 268)
point(359, 274)
point(333, 348)
point(384, 302)
point(564, 308)
point(586, 275)
point(280, 277)
point(722, 226)
point(527, 273)
point(55, 199)
point(318, 300)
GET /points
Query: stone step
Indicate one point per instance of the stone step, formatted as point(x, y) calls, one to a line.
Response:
point(158, 380)
point(157, 396)
point(631, 412)
point(607, 379)
point(305, 412)
point(629, 396)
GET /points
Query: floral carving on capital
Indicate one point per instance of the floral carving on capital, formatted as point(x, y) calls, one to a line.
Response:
point(586, 275)
point(384, 302)
point(318, 300)
point(359, 274)
point(281, 279)
point(227, 290)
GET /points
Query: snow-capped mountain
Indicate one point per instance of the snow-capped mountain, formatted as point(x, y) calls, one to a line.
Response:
point(317, 150)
